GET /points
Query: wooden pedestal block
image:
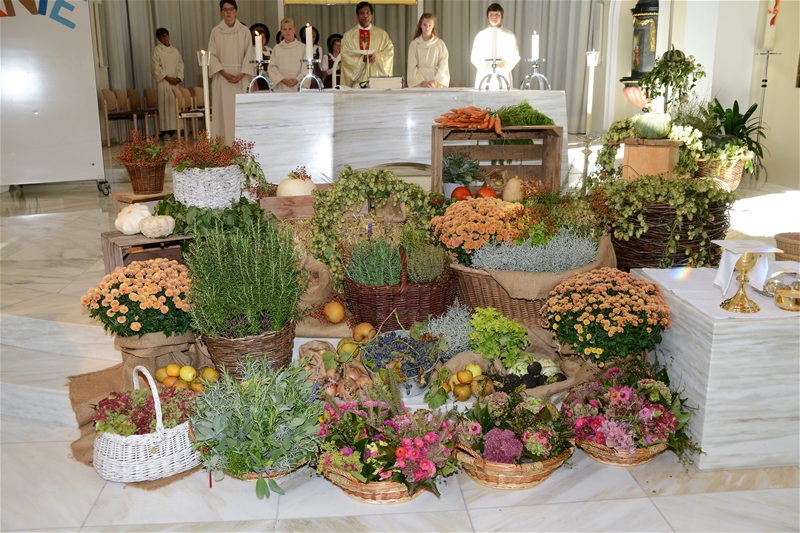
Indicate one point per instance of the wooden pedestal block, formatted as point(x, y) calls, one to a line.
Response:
point(126, 198)
point(121, 250)
point(541, 160)
point(292, 207)
point(648, 157)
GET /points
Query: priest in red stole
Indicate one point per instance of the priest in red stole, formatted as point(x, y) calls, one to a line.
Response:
point(357, 66)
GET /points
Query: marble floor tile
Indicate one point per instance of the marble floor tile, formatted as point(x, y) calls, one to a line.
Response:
point(402, 521)
point(761, 510)
point(49, 276)
point(13, 294)
point(316, 497)
point(615, 515)
point(186, 501)
point(44, 370)
point(42, 475)
point(65, 338)
point(233, 526)
point(587, 480)
point(21, 430)
point(54, 308)
point(664, 476)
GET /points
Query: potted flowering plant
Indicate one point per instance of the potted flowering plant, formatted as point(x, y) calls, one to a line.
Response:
point(606, 313)
point(210, 173)
point(378, 451)
point(132, 412)
point(145, 161)
point(629, 416)
point(510, 442)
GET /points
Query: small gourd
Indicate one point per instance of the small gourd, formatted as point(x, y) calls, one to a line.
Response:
point(512, 192)
point(653, 125)
point(157, 226)
point(297, 184)
point(673, 55)
point(128, 219)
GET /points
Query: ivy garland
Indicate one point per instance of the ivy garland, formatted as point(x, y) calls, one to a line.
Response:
point(627, 203)
point(349, 192)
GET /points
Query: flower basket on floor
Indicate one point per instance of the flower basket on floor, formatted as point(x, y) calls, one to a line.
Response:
point(505, 476)
point(612, 457)
point(145, 457)
point(208, 187)
point(147, 179)
point(145, 161)
point(380, 492)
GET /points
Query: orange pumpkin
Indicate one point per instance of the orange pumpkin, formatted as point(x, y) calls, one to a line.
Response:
point(461, 193)
point(486, 192)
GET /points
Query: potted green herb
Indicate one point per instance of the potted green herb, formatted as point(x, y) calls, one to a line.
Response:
point(259, 428)
point(459, 170)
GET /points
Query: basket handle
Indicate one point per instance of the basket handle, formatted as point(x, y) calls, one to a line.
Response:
point(156, 399)
point(401, 291)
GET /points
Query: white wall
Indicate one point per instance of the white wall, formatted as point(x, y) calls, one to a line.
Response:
point(48, 131)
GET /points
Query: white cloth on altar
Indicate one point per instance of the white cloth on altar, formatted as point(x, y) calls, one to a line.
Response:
point(286, 63)
point(230, 49)
point(507, 50)
point(166, 61)
point(726, 271)
point(428, 60)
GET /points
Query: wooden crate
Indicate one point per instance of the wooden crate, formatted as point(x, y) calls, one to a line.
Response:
point(121, 250)
point(126, 198)
point(292, 207)
point(648, 157)
point(541, 159)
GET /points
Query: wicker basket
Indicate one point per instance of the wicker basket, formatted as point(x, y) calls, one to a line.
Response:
point(506, 476)
point(208, 187)
point(145, 457)
point(413, 302)
point(647, 250)
point(730, 175)
point(147, 179)
point(380, 492)
point(272, 475)
point(608, 456)
point(276, 346)
point(790, 244)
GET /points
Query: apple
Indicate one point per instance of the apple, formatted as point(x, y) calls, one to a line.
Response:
point(364, 332)
point(197, 386)
point(210, 374)
point(462, 392)
point(475, 369)
point(453, 381)
point(481, 386)
point(464, 376)
point(188, 373)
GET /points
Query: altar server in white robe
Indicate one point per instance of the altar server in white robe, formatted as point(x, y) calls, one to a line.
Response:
point(166, 65)
point(507, 48)
point(230, 69)
point(428, 65)
point(357, 68)
point(285, 67)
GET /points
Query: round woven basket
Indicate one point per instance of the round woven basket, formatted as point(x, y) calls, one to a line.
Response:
point(380, 492)
point(647, 250)
point(275, 345)
point(273, 475)
point(147, 179)
point(608, 456)
point(208, 187)
point(731, 175)
point(392, 306)
point(505, 476)
point(790, 244)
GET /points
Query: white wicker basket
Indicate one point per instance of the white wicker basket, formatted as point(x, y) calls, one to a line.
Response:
point(209, 187)
point(145, 457)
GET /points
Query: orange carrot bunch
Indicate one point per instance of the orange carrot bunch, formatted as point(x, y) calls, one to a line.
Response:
point(471, 118)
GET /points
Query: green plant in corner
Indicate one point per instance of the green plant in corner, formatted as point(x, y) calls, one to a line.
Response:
point(673, 77)
point(460, 168)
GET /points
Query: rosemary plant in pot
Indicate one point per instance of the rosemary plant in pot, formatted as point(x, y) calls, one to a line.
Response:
point(247, 285)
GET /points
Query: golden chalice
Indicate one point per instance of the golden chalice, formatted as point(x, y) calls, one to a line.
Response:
point(740, 303)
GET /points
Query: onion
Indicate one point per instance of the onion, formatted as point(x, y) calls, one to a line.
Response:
point(364, 382)
point(353, 373)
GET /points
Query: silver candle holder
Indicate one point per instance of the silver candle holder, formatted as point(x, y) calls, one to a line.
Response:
point(494, 74)
point(260, 76)
point(309, 75)
point(540, 78)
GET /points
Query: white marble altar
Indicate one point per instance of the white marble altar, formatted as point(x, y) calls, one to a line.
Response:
point(742, 373)
point(363, 128)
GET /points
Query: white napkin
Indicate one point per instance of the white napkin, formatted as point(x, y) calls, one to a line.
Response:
point(725, 273)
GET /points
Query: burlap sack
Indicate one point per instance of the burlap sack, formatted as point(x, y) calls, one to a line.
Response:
point(86, 391)
point(154, 350)
point(323, 288)
point(537, 285)
point(391, 212)
point(312, 328)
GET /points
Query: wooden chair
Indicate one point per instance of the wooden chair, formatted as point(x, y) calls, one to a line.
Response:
point(113, 111)
point(135, 104)
point(183, 112)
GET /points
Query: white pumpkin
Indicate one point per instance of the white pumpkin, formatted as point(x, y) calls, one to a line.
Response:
point(295, 186)
point(512, 192)
point(128, 219)
point(157, 226)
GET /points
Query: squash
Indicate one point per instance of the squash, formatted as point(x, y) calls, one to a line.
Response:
point(512, 192)
point(673, 55)
point(653, 125)
point(158, 226)
point(128, 219)
point(297, 184)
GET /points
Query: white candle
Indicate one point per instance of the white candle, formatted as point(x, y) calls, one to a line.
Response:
point(494, 42)
point(258, 46)
point(309, 42)
point(534, 46)
point(206, 106)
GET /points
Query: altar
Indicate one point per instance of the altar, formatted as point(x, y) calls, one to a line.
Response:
point(742, 372)
point(324, 131)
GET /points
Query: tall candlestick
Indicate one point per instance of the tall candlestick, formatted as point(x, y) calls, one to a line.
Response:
point(258, 46)
point(535, 46)
point(309, 42)
point(494, 42)
point(206, 106)
point(592, 59)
